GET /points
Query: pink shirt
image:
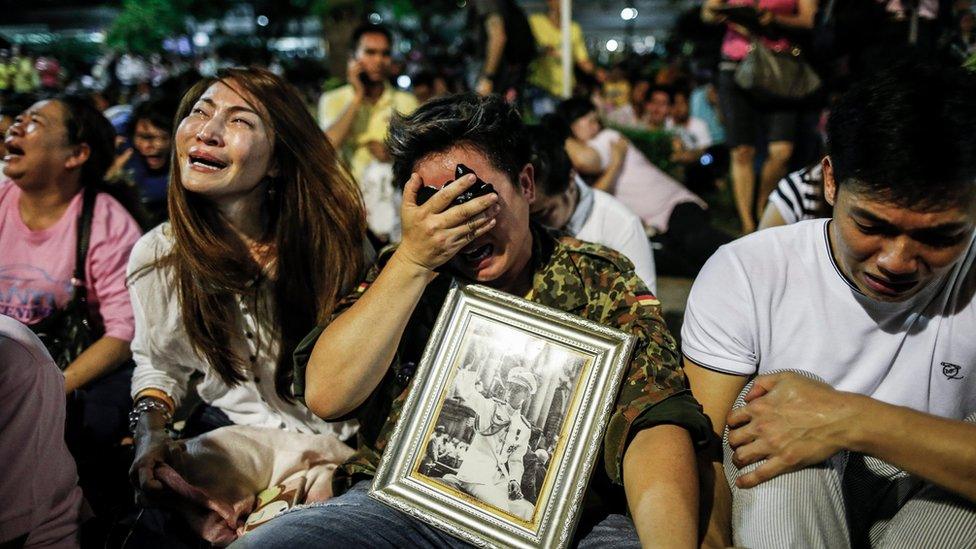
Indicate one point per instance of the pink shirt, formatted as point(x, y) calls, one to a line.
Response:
point(643, 187)
point(36, 266)
point(38, 482)
point(735, 46)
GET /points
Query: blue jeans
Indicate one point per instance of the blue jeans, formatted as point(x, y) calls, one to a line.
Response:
point(356, 520)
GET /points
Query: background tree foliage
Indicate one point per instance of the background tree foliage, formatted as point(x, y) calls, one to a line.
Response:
point(142, 25)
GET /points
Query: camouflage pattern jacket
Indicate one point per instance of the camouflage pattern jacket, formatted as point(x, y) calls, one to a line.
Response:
point(582, 278)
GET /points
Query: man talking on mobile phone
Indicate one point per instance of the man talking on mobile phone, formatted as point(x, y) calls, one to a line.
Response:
point(356, 119)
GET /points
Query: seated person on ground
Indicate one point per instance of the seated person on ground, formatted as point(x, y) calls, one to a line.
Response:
point(58, 151)
point(361, 363)
point(866, 438)
point(260, 243)
point(563, 201)
point(676, 218)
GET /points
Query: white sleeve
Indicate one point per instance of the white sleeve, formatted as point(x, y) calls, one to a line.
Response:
point(720, 325)
point(602, 144)
point(159, 347)
point(635, 245)
point(702, 135)
point(465, 385)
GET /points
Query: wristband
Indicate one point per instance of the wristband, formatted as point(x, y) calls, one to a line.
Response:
point(488, 77)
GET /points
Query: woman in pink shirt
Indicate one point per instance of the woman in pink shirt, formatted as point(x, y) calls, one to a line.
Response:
point(56, 150)
point(744, 115)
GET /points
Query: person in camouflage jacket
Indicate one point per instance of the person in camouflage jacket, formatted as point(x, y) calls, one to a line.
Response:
point(648, 461)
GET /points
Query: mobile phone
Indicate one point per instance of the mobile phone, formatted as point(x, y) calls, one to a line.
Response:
point(480, 188)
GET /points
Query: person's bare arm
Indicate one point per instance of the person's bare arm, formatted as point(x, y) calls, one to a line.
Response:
point(495, 31)
point(792, 422)
point(683, 155)
point(379, 151)
point(583, 157)
point(339, 130)
point(661, 483)
point(607, 181)
point(771, 217)
point(100, 358)
point(354, 352)
point(716, 392)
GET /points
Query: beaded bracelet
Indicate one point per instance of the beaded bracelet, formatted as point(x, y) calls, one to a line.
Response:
point(147, 404)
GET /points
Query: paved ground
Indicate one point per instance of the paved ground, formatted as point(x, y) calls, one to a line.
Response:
point(673, 293)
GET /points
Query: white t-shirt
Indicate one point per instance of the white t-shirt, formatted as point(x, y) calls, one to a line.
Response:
point(776, 299)
point(610, 223)
point(641, 186)
point(693, 133)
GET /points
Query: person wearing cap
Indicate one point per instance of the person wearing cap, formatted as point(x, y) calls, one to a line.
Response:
point(491, 469)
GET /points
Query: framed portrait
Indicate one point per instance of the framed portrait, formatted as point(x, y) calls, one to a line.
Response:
point(505, 420)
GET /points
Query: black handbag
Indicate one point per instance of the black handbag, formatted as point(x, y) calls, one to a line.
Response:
point(68, 331)
point(780, 76)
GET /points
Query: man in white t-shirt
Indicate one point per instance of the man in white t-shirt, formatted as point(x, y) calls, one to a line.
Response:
point(564, 201)
point(864, 442)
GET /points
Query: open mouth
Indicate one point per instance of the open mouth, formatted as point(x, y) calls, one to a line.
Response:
point(13, 151)
point(477, 254)
point(155, 160)
point(887, 287)
point(206, 163)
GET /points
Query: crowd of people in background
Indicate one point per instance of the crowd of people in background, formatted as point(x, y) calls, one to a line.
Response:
point(234, 246)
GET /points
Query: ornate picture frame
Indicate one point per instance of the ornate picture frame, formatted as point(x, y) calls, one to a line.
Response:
point(505, 420)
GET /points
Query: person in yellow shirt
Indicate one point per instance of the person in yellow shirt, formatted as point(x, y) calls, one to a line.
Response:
point(356, 118)
point(546, 72)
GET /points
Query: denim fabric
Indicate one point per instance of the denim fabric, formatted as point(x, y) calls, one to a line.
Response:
point(356, 520)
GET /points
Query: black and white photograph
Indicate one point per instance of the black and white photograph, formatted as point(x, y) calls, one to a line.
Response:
point(497, 444)
point(500, 424)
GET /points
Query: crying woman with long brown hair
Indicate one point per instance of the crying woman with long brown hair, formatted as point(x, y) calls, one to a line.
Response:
point(266, 231)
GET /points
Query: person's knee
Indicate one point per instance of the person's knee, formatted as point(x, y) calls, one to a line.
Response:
point(743, 154)
point(780, 151)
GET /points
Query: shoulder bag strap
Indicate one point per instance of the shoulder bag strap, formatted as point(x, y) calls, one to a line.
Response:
point(78, 279)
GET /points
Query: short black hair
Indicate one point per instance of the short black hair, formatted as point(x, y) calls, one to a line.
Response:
point(487, 124)
point(550, 162)
point(370, 28)
point(574, 108)
point(656, 88)
point(158, 111)
point(904, 134)
point(86, 124)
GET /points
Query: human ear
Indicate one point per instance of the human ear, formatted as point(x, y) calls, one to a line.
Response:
point(829, 183)
point(79, 155)
point(527, 183)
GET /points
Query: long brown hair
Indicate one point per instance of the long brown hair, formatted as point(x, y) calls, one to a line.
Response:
point(316, 221)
